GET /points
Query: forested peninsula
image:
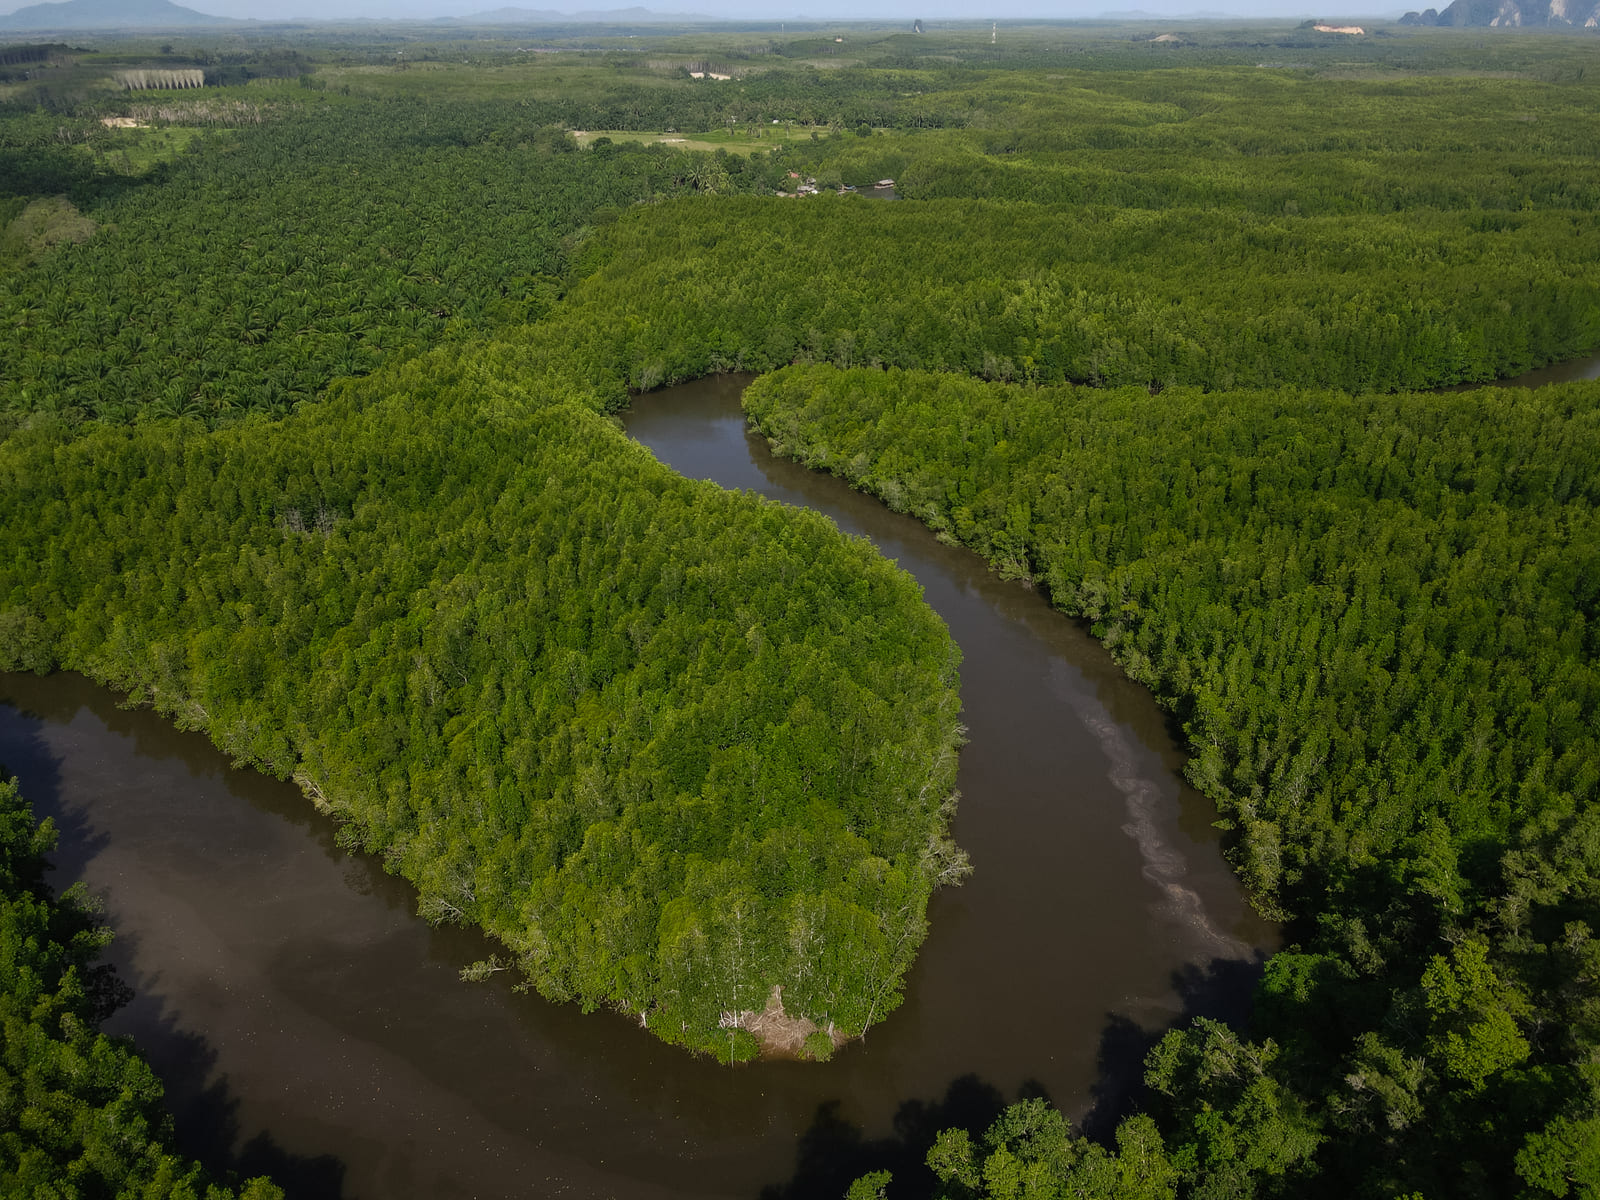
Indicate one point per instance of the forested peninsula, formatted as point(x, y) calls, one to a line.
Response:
point(672, 746)
point(305, 443)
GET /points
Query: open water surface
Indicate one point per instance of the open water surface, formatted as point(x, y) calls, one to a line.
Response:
point(1574, 370)
point(307, 1023)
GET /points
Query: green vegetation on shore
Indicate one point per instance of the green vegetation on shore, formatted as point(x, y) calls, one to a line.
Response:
point(674, 747)
point(1105, 296)
point(217, 291)
point(1376, 619)
point(81, 1113)
point(1371, 612)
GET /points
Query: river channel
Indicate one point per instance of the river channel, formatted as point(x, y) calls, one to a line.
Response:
point(308, 1024)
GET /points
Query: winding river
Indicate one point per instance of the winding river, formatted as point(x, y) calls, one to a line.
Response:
point(308, 1024)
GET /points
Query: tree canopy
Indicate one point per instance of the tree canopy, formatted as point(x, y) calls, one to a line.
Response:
point(1375, 619)
point(303, 379)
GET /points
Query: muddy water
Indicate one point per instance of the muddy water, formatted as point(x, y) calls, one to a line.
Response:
point(1574, 370)
point(310, 1025)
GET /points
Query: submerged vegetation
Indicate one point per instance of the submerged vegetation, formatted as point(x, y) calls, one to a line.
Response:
point(304, 443)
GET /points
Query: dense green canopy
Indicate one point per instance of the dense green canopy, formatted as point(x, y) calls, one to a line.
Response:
point(1093, 295)
point(672, 745)
point(1378, 620)
point(675, 747)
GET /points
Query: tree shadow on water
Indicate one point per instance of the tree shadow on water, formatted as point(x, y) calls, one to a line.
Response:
point(1222, 990)
point(208, 1128)
point(204, 1107)
point(27, 756)
point(833, 1153)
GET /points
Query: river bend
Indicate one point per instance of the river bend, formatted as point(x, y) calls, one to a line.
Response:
point(309, 1024)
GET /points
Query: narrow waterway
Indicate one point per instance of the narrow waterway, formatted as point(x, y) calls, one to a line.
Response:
point(307, 1023)
point(1576, 370)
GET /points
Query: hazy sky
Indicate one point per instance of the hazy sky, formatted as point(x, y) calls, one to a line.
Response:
point(776, 10)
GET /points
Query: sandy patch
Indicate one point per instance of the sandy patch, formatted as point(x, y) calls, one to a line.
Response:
point(780, 1035)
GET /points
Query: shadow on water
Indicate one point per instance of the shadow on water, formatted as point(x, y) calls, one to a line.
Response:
point(309, 1025)
point(1221, 990)
point(205, 1109)
point(26, 755)
point(831, 1152)
point(834, 1152)
point(206, 1112)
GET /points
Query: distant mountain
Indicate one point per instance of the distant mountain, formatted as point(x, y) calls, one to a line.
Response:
point(541, 16)
point(110, 14)
point(1556, 13)
point(1139, 14)
point(505, 16)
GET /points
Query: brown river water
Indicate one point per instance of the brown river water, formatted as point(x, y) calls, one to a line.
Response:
point(1576, 370)
point(308, 1024)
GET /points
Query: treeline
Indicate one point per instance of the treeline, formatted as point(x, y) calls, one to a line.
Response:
point(1129, 47)
point(619, 91)
point(17, 62)
point(1376, 619)
point(229, 68)
point(850, 97)
point(1316, 183)
point(1136, 229)
point(672, 746)
point(1196, 138)
point(11, 56)
point(1155, 298)
point(81, 1113)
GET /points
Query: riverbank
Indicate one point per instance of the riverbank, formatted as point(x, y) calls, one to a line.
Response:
point(295, 982)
